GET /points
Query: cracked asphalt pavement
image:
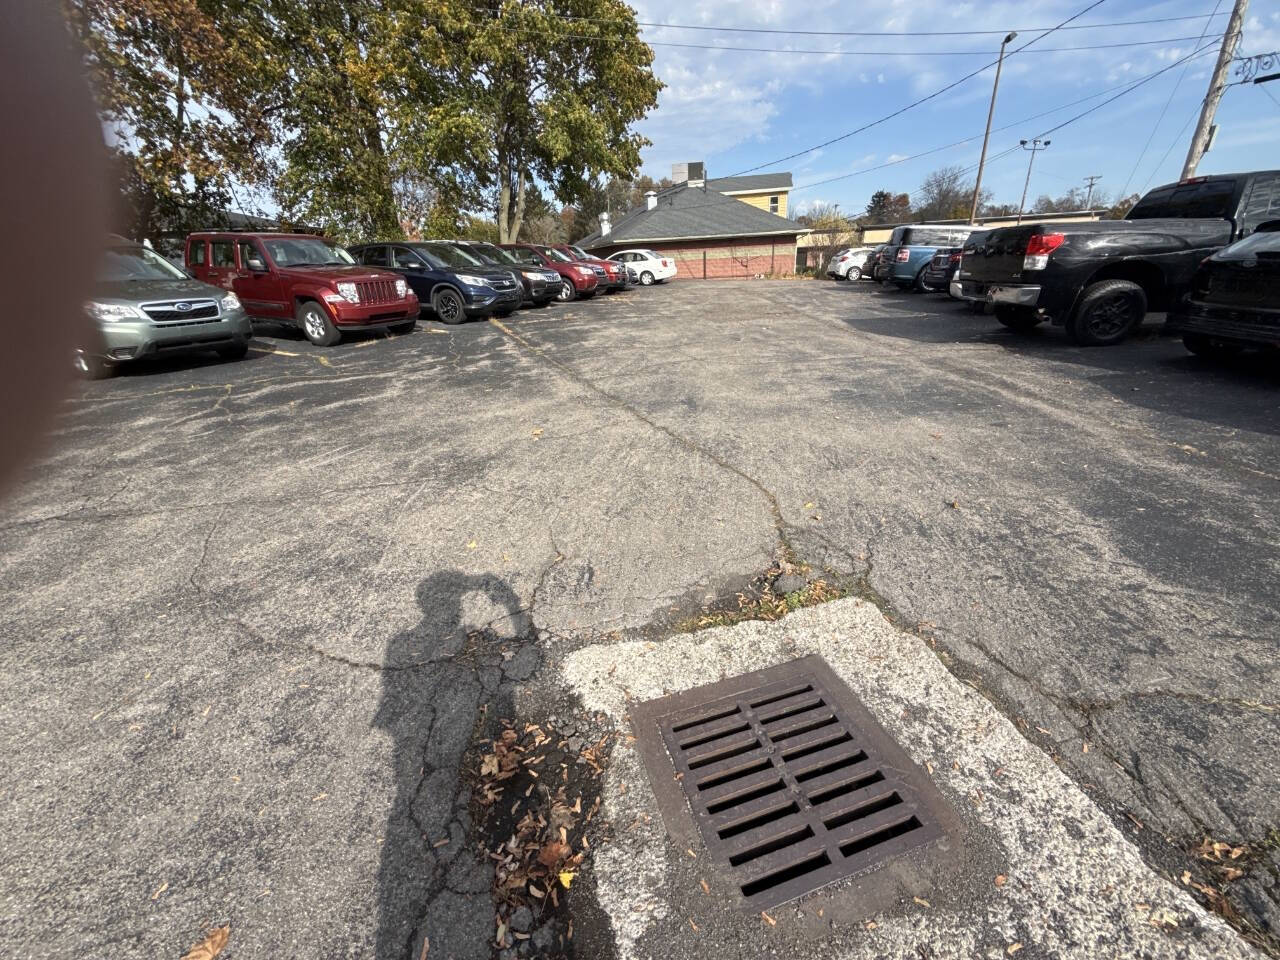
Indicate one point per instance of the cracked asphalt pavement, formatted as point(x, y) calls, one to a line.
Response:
point(258, 612)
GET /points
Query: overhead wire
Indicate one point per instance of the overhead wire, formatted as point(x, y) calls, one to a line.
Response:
point(915, 103)
point(887, 53)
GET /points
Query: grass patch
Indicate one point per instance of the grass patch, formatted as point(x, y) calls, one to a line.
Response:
point(761, 601)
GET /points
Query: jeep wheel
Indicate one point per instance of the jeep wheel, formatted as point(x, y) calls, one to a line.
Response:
point(1017, 318)
point(854, 274)
point(92, 367)
point(448, 306)
point(646, 279)
point(316, 325)
point(1109, 311)
point(567, 292)
point(1209, 347)
point(235, 351)
point(405, 327)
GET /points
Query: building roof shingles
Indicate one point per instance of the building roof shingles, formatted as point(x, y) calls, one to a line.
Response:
point(757, 181)
point(688, 213)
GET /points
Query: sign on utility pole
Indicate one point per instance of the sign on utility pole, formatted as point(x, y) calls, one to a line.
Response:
point(1217, 86)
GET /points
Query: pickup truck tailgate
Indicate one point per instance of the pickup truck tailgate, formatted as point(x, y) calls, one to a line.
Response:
point(996, 255)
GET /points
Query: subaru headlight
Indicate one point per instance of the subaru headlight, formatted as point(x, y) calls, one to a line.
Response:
point(585, 271)
point(471, 281)
point(229, 302)
point(349, 291)
point(113, 312)
point(402, 289)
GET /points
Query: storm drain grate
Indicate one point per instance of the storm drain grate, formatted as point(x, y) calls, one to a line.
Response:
point(791, 783)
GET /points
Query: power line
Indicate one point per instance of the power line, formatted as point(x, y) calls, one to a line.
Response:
point(889, 33)
point(1160, 119)
point(886, 53)
point(1177, 138)
point(916, 103)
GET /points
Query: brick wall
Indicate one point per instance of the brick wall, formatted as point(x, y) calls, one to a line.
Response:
point(736, 257)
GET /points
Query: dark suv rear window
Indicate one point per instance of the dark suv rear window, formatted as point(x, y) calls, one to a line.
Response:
point(1206, 200)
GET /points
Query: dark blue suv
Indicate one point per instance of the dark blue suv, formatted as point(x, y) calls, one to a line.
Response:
point(452, 283)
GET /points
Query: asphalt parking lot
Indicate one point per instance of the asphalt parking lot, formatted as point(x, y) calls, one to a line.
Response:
point(240, 599)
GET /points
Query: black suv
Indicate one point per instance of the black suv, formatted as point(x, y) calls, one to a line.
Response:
point(541, 284)
point(453, 283)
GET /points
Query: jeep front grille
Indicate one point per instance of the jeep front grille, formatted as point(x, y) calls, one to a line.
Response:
point(376, 291)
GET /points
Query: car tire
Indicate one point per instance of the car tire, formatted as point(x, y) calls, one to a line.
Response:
point(1109, 311)
point(316, 325)
point(92, 367)
point(407, 327)
point(646, 279)
point(236, 351)
point(854, 274)
point(447, 305)
point(568, 292)
point(1209, 347)
point(1017, 318)
point(918, 285)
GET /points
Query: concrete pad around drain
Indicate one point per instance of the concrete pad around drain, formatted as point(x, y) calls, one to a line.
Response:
point(1071, 885)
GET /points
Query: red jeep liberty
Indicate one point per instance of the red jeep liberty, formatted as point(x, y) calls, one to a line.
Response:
point(303, 280)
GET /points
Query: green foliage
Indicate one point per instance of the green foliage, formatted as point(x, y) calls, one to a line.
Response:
point(177, 92)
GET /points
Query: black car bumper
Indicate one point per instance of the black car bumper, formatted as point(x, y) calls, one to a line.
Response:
point(1255, 326)
point(1052, 295)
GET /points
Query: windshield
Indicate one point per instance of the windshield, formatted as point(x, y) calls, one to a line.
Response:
point(1206, 200)
point(578, 252)
point(447, 252)
point(136, 263)
point(555, 254)
point(497, 254)
point(305, 252)
point(1262, 244)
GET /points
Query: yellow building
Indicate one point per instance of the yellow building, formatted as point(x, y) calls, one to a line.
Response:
point(766, 191)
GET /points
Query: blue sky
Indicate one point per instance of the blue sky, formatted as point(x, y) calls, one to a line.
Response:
point(738, 110)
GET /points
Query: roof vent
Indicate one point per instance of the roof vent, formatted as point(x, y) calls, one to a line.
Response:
point(650, 199)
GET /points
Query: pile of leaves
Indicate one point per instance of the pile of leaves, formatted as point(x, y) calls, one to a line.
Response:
point(536, 793)
point(767, 598)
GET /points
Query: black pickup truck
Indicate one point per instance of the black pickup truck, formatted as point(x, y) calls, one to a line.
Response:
point(1099, 279)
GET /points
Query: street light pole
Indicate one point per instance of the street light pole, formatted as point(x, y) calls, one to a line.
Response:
point(1036, 145)
point(982, 160)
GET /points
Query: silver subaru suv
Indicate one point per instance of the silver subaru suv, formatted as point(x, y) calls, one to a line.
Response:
point(144, 306)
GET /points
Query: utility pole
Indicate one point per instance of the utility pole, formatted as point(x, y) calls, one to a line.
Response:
point(1089, 199)
point(1217, 86)
point(1036, 145)
point(982, 160)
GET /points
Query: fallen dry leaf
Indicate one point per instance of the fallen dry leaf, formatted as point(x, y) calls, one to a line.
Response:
point(210, 946)
point(566, 878)
point(426, 946)
point(920, 900)
point(694, 925)
point(159, 890)
point(1013, 948)
point(768, 919)
point(1000, 879)
point(471, 545)
point(537, 433)
point(871, 924)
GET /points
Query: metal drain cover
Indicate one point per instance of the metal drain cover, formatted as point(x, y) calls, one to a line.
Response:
point(791, 782)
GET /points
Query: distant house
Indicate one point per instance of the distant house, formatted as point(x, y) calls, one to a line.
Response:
point(711, 228)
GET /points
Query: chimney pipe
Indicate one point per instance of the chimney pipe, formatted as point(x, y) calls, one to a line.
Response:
point(650, 199)
point(605, 225)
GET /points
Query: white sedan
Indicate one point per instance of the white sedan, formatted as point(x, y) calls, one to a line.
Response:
point(647, 265)
point(847, 264)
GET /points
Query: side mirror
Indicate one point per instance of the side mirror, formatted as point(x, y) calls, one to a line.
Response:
point(256, 265)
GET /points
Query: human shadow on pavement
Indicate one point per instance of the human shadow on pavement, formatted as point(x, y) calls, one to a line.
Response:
point(442, 679)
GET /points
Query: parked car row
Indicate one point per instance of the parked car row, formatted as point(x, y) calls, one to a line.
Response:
point(1205, 250)
point(144, 306)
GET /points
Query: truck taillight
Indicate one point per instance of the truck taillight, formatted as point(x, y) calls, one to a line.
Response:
point(1039, 246)
point(903, 255)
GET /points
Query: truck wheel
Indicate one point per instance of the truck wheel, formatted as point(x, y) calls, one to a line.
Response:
point(448, 306)
point(567, 292)
point(92, 367)
point(1210, 348)
point(1017, 318)
point(316, 325)
point(1109, 311)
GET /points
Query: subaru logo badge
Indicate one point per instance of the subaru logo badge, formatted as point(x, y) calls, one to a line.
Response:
point(182, 307)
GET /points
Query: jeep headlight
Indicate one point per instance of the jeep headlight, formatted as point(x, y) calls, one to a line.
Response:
point(471, 281)
point(402, 289)
point(229, 302)
point(348, 291)
point(112, 312)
